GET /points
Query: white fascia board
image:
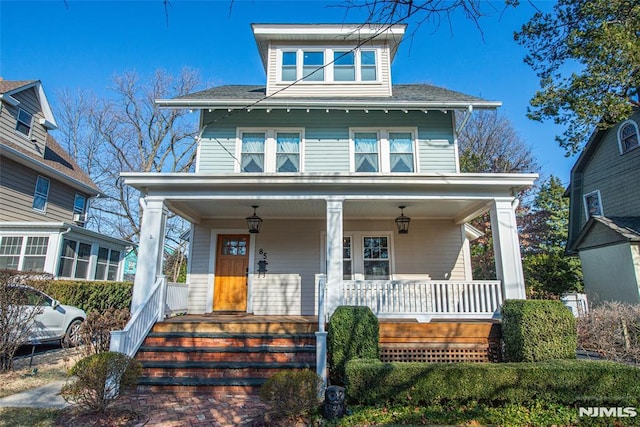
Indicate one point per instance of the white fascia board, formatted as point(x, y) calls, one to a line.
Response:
point(328, 31)
point(176, 180)
point(5, 97)
point(338, 104)
point(47, 170)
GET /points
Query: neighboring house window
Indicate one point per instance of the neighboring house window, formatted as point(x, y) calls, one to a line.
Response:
point(79, 204)
point(23, 124)
point(366, 151)
point(593, 204)
point(35, 254)
point(16, 253)
point(107, 265)
point(271, 150)
point(628, 136)
point(312, 66)
point(347, 258)
point(253, 152)
point(401, 151)
point(10, 249)
point(41, 194)
point(74, 261)
point(375, 254)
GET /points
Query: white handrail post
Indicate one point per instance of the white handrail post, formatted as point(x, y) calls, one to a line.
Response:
point(163, 297)
point(118, 341)
point(321, 334)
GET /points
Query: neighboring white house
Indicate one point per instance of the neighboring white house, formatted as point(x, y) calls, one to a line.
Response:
point(45, 195)
point(333, 160)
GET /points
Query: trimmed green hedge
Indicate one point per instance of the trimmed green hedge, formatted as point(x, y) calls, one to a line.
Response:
point(538, 330)
point(353, 333)
point(90, 296)
point(572, 383)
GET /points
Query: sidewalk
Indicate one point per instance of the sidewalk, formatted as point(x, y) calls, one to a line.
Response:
point(166, 410)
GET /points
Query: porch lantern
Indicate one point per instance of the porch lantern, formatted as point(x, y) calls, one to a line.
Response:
point(402, 222)
point(254, 222)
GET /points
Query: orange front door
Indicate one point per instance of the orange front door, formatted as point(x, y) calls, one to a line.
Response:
point(232, 260)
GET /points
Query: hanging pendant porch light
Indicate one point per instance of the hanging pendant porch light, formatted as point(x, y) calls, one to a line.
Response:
point(254, 222)
point(402, 222)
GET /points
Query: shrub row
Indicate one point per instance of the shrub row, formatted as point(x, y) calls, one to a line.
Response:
point(566, 382)
point(90, 296)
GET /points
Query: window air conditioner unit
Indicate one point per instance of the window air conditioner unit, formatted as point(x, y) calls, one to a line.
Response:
point(79, 218)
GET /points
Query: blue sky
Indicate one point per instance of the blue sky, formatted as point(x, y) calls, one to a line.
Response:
point(82, 44)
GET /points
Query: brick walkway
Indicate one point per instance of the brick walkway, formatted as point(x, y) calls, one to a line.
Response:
point(170, 410)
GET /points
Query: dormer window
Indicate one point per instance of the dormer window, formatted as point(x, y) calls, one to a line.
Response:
point(328, 65)
point(23, 124)
point(628, 136)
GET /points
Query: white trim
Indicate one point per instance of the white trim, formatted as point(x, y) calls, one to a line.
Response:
point(213, 252)
point(29, 125)
point(586, 205)
point(622, 125)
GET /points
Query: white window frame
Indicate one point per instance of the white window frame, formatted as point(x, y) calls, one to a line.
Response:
point(328, 64)
point(620, 144)
point(384, 148)
point(586, 196)
point(45, 196)
point(108, 264)
point(74, 265)
point(22, 250)
point(84, 204)
point(28, 125)
point(270, 148)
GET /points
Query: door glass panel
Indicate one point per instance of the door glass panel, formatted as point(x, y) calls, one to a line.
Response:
point(234, 246)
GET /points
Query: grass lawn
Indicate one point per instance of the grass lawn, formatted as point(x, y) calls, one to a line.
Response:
point(32, 417)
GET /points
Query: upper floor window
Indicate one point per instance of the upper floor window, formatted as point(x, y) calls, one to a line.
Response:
point(79, 204)
point(592, 204)
point(23, 124)
point(41, 194)
point(328, 65)
point(628, 136)
point(271, 150)
point(384, 151)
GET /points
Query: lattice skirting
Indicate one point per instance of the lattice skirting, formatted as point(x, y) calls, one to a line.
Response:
point(437, 352)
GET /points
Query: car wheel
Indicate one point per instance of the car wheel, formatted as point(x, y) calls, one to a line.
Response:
point(72, 336)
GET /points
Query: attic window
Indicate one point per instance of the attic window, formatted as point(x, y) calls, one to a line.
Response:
point(592, 204)
point(23, 124)
point(628, 136)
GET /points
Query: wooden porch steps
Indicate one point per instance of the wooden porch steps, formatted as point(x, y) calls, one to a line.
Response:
point(225, 354)
point(440, 341)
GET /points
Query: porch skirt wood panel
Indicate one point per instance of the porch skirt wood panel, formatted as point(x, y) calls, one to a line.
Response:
point(438, 353)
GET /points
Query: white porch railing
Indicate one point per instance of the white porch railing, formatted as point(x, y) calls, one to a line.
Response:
point(129, 340)
point(424, 298)
point(177, 294)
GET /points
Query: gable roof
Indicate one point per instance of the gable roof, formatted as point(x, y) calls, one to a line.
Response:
point(56, 162)
point(8, 88)
point(405, 96)
point(627, 227)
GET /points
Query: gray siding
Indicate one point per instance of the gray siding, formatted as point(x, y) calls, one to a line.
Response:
point(8, 120)
point(17, 185)
point(327, 136)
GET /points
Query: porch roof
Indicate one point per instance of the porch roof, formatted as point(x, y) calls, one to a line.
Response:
point(459, 196)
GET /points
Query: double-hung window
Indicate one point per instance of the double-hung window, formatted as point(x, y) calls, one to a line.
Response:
point(35, 253)
point(289, 66)
point(375, 256)
point(344, 66)
point(271, 150)
point(366, 151)
point(366, 255)
point(368, 65)
point(401, 152)
point(628, 136)
point(313, 66)
point(79, 204)
point(253, 144)
point(107, 265)
point(23, 124)
point(75, 258)
point(10, 249)
point(41, 194)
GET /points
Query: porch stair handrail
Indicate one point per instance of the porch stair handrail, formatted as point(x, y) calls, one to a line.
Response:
point(129, 339)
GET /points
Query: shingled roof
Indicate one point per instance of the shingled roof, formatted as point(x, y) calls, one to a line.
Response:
point(10, 85)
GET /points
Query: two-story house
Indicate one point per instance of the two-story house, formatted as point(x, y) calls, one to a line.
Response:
point(329, 185)
point(604, 218)
point(44, 196)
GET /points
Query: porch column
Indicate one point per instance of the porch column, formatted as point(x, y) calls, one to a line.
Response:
point(334, 253)
point(150, 250)
point(506, 248)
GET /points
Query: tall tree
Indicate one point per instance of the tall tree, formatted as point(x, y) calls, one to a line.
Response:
point(587, 56)
point(128, 132)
